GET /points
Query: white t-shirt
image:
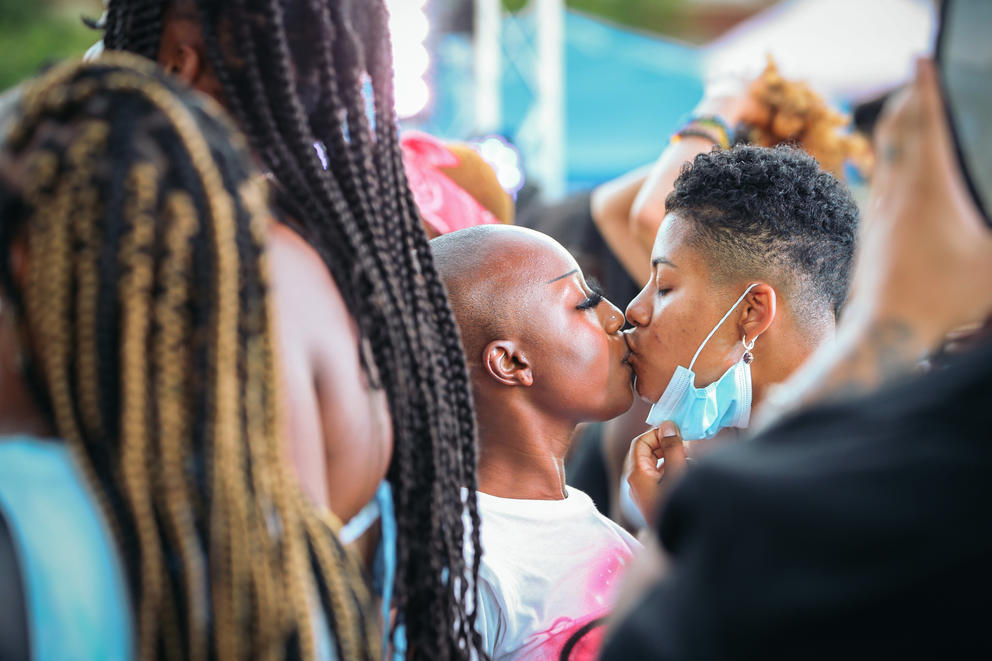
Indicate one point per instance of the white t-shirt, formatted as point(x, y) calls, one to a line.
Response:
point(549, 569)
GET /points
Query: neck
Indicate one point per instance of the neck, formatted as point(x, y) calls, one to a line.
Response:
point(785, 350)
point(521, 452)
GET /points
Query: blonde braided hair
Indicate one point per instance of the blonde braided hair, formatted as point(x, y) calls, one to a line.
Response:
point(146, 301)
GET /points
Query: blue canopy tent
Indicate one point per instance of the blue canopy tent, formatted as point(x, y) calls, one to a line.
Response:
point(625, 94)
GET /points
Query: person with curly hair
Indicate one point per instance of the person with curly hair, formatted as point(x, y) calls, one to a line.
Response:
point(852, 526)
point(749, 272)
point(767, 111)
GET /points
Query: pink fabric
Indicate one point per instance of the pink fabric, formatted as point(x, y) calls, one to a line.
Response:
point(600, 594)
point(443, 204)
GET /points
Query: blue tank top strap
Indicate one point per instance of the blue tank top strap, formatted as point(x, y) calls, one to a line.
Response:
point(386, 564)
point(76, 594)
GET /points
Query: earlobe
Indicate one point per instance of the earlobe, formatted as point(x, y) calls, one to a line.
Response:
point(504, 361)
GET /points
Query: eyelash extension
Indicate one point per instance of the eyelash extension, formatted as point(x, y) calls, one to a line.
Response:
point(594, 299)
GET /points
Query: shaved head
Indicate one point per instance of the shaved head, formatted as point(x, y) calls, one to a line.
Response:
point(488, 270)
point(527, 317)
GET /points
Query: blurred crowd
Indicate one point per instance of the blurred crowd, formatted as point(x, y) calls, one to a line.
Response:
point(278, 380)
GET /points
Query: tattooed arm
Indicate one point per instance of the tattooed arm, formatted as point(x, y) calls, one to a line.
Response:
point(924, 263)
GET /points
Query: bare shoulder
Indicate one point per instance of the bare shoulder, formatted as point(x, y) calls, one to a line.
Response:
point(339, 426)
point(303, 287)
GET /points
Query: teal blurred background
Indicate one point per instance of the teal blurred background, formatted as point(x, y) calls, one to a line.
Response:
point(36, 32)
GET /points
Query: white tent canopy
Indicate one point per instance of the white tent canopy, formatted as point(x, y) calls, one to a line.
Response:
point(846, 49)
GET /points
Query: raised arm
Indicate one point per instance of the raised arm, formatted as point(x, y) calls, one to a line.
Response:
point(611, 204)
point(629, 209)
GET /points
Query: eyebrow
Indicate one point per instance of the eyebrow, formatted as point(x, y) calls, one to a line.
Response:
point(661, 260)
point(561, 277)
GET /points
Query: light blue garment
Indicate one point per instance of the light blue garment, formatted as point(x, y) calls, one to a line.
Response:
point(702, 412)
point(386, 564)
point(75, 592)
point(384, 570)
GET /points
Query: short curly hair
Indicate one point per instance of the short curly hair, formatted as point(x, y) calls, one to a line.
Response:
point(772, 213)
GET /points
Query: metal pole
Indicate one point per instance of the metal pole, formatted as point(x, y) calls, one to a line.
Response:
point(551, 94)
point(488, 61)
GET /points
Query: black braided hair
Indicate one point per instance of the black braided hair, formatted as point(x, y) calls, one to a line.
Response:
point(295, 73)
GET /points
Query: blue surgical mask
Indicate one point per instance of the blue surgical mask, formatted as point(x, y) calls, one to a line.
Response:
point(702, 412)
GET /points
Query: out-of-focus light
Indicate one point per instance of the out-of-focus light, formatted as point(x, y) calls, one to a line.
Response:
point(408, 24)
point(412, 96)
point(409, 28)
point(412, 62)
point(504, 159)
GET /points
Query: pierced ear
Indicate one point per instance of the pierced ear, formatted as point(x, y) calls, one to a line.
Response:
point(504, 361)
point(757, 311)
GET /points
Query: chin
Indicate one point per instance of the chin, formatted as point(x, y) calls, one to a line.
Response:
point(644, 397)
point(623, 402)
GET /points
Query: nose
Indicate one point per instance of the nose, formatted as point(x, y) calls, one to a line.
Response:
point(612, 318)
point(639, 309)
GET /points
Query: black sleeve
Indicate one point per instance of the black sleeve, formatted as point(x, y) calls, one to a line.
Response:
point(13, 613)
point(639, 636)
point(856, 530)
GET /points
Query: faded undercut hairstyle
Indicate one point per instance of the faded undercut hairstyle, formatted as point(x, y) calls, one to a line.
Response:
point(151, 351)
point(772, 212)
point(300, 77)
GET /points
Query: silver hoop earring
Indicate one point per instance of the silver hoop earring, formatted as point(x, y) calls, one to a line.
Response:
point(748, 347)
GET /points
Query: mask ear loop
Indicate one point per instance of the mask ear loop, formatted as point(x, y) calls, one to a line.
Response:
point(717, 327)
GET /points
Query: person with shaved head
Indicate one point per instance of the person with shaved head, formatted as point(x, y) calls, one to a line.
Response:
point(544, 353)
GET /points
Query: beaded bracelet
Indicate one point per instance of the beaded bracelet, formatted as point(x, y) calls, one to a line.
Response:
point(709, 127)
point(690, 132)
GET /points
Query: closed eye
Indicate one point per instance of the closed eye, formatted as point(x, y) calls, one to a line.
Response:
point(594, 298)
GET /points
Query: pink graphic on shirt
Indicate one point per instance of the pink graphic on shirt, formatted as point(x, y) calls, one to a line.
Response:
point(584, 634)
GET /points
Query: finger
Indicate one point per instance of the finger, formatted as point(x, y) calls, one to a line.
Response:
point(644, 452)
point(940, 148)
point(893, 108)
point(923, 126)
point(901, 143)
point(928, 88)
point(673, 449)
point(666, 431)
point(906, 119)
point(675, 456)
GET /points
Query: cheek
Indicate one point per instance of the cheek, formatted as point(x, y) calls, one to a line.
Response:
point(594, 353)
point(668, 343)
point(588, 357)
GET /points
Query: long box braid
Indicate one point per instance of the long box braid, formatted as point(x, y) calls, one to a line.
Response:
point(146, 301)
point(294, 74)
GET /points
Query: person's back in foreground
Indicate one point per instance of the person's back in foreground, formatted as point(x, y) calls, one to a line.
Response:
point(310, 83)
point(544, 353)
point(855, 529)
point(136, 336)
